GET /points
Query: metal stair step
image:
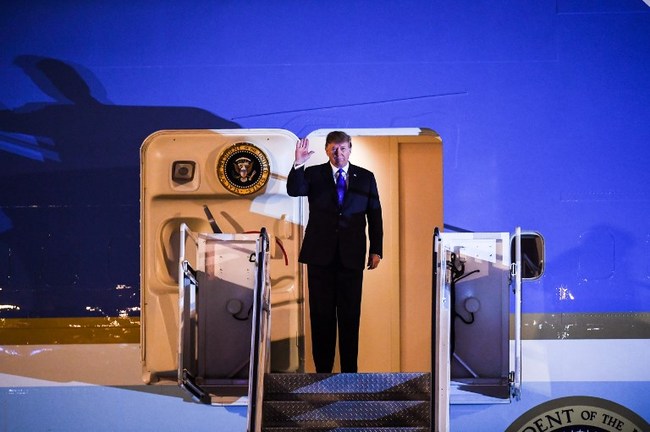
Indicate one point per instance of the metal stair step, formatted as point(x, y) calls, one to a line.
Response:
point(345, 386)
point(350, 414)
point(348, 429)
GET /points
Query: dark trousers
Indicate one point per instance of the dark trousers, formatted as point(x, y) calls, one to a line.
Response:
point(334, 299)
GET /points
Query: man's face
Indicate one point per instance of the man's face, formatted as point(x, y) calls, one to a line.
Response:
point(338, 153)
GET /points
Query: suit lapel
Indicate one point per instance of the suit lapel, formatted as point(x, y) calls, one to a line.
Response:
point(326, 172)
point(352, 175)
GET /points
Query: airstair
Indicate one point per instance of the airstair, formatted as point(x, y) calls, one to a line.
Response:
point(278, 402)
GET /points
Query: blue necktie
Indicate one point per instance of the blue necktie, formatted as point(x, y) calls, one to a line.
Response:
point(340, 185)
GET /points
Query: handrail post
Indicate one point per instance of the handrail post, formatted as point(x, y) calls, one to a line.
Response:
point(259, 336)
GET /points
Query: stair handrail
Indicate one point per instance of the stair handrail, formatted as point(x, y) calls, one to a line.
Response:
point(432, 380)
point(260, 335)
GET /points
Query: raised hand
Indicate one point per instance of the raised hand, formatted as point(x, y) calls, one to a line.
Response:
point(302, 151)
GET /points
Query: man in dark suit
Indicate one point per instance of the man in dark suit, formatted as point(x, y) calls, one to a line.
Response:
point(342, 198)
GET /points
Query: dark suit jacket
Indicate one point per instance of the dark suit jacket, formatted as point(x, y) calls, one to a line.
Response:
point(331, 227)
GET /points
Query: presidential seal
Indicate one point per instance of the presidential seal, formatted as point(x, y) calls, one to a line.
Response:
point(579, 414)
point(243, 168)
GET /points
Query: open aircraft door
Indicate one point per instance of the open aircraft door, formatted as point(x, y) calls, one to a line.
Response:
point(477, 285)
point(222, 187)
point(205, 197)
